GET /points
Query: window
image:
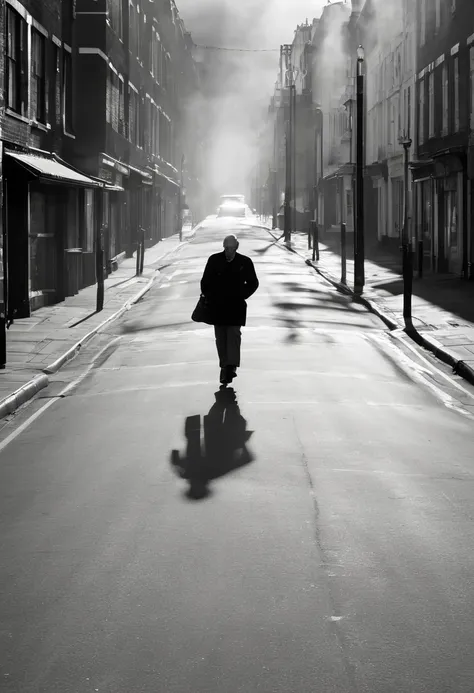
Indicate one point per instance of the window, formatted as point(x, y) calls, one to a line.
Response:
point(108, 98)
point(67, 91)
point(88, 219)
point(422, 21)
point(445, 102)
point(114, 100)
point(134, 117)
point(133, 30)
point(164, 131)
point(421, 112)
point(456, 94)
point(121, 107)
point(38, 76)
point(157, 132)
point(138, 35)
point(438, 13)
point(16, 63)
point(431, 123)
point(471, 55)
point(56, 89)
point(408, 111)
point(115, 16)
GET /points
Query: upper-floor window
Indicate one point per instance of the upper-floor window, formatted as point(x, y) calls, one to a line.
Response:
point(38, 75)
point(431, 108)
point(421, 111)
point(67, 91)
point(133, 30)
point(456, 94)
point(121, 106)
point(16, 62)
point(135, 118)
point(408, 113)
point(115, 16)
point(437, 13)
point(471, 58)
point(422, 21)
point(445, 101)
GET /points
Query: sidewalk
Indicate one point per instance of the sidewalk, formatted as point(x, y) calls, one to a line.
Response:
point(442, 305)
point(41, 344)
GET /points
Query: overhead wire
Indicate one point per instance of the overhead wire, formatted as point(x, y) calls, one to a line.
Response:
point(238, 50)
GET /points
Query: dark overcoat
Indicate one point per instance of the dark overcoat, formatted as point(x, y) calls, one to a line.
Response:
point(226, 286)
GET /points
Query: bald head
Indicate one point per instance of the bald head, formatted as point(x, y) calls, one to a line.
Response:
point(231, 241)
point(230, 246)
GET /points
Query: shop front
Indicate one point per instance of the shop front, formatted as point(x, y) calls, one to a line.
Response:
point(49, 231)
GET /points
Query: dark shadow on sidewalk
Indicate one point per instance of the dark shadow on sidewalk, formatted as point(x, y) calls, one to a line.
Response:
point(447, 291)
point(225, 445)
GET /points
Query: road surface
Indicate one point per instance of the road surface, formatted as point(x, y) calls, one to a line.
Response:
point(309, 530)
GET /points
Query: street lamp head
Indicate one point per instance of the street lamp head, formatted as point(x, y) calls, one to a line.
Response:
point(360, 54)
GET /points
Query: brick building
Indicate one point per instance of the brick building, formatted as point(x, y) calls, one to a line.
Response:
point(92, 127)
point(135, 72)
point(47, 231)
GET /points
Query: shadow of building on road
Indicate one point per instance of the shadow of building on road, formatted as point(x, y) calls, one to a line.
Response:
point(218, 449)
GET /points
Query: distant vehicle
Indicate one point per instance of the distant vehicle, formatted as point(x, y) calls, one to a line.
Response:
point(235, 209)
point(226, 199)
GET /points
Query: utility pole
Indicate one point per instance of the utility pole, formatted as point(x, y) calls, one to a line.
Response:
point(407, 254)
point(290, 74)
point(181, 198)
point(359, 276)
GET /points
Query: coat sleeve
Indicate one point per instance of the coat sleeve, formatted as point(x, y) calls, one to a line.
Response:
point(206, 281)
point(251, 280)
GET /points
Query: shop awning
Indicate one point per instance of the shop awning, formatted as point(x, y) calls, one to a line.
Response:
point(50, 170)
point(113, 188)
point(167, 178)
point(144, 174)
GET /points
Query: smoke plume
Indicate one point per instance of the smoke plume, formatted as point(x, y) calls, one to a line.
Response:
point(228, 116)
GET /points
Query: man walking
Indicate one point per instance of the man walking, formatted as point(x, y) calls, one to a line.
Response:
point(229, 279)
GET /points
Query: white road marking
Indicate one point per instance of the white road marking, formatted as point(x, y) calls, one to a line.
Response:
point(418, 373)
point(432, 367)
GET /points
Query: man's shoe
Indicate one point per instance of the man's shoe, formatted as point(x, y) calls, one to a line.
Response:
point(231, 372)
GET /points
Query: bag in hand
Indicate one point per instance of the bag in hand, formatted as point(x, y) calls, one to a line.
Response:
point(202, 312)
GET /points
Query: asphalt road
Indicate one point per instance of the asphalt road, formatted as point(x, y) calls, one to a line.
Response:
point(309, 530)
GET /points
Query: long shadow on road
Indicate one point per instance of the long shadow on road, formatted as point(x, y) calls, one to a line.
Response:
point(225, 445)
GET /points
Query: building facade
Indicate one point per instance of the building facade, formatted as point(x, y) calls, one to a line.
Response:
point(135, 70)
point(332, 105)
point(93, 142)
point(44, 199)
point(443, 171)
point(389, 43)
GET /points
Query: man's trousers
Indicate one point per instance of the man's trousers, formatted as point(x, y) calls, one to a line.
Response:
point(228, 339)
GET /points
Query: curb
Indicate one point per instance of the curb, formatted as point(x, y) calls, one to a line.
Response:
point(23, 394)
point(74, 350)
point(459, 366)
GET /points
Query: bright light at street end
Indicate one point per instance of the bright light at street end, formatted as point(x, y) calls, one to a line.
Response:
point(360, 53)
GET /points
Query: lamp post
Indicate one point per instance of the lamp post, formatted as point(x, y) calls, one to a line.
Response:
point(359, 278)
point(407, 255)
point(181, 200)
point(290, 75)
point(318, 174)
point(318, 154)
